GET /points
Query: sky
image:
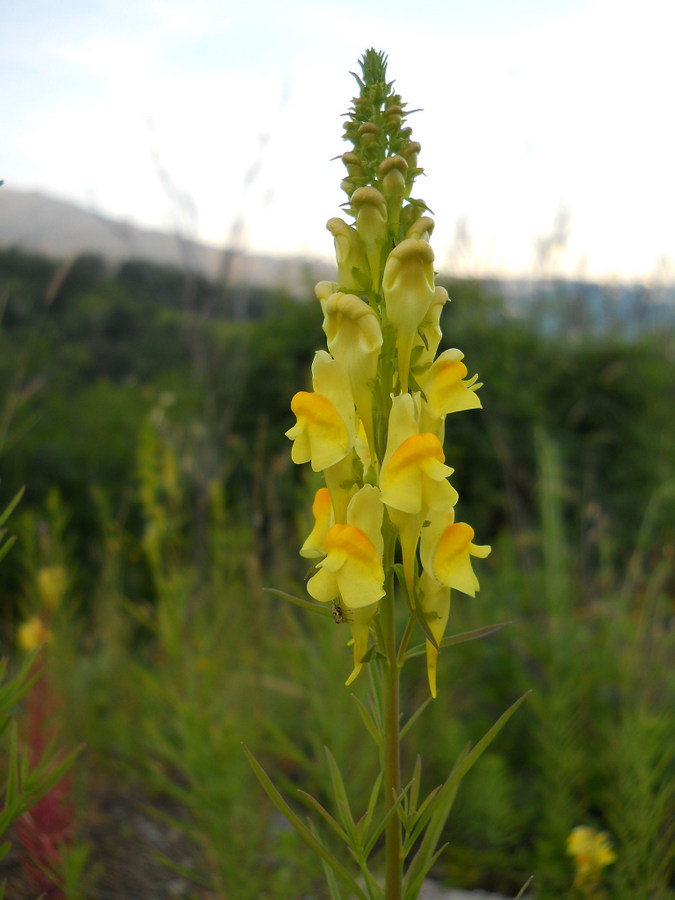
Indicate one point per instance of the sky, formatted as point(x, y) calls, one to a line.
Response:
point(547, 127)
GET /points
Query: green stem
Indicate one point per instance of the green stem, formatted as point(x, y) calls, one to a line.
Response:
point(392, 721)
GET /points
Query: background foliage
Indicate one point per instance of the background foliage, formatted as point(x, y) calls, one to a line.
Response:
point(145, 410)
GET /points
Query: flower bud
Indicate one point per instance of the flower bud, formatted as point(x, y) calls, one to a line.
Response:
point(370, 210)
point(408, 286)
point(353, 268)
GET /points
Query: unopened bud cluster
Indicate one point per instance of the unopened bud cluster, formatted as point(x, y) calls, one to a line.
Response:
point(374, 423)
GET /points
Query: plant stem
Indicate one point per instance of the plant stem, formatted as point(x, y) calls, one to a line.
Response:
point(392, 736)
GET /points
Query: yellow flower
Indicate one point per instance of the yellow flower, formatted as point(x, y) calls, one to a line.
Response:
point(352, 568)
point(52, 582)
point(322, 509)
point(408, 287)
point(429, 333)
point(353, 268)
point(446, 549)
point(354, 339)
point(370, 210)
point(414, 473)
point(592, 851)
point(445, 385)
point(33, 633)
point(326, 420)
point(413, 479)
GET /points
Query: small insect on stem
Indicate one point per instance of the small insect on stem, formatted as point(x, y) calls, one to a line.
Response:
point(338, 614)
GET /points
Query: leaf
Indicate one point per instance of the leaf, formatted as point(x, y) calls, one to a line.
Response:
point(308, 836)
point(368, 721)
point(462, 638)
point(299, 601)
point(323, 812)
point(444, 800)
point(12, 506)
point(413, 718)
point(521, 892)
point(341, 798)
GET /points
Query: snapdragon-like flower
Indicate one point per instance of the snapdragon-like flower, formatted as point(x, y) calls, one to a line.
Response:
point(352, 571)
point(413, 479)
point(446, 387)
point(446, 548)
point(326, 425)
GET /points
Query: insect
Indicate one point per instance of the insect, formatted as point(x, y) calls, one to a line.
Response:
point(338, 614)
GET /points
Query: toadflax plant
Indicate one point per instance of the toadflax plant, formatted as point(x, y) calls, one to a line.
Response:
point(386, 547)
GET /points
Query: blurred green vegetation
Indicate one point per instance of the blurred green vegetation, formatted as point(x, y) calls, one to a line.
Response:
point(146, 414)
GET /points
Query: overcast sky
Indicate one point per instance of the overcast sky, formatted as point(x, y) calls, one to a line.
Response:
point(199, 115)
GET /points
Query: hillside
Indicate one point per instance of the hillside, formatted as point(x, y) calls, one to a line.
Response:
point(35, 223)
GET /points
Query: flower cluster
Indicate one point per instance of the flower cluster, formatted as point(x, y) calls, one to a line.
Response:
point(374, 422)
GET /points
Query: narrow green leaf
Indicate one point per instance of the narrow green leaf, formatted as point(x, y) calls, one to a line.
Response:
point(12, 506)
point(323, 812)
point(444, 800)
point(308, 836)
point(299, 601)
point(379, 830)
point(414, 717)
point(368, 721)
point(521, 892)
point(412, 890)
point(7, 546)
point(462, 638)
point(341, 798)
point(363, 824)
point(415, 785)
point(331, 881)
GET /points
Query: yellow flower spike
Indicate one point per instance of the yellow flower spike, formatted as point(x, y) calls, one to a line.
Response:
point(408, 287)
point(353, 267)
point(52, 583)
point(326, 420)
point(359, 624)
point(370, 211)
point(435, 604)
point(446, 387)
point(33, 633)
point(446, 550)
point(322, 510)
point(354, 338)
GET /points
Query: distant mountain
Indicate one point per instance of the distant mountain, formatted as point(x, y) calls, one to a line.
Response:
point(38, 224)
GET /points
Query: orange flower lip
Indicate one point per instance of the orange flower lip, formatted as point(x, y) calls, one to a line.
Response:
point(354, 544)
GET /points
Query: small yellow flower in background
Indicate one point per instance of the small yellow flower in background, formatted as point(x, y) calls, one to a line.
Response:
point(592, 851)
point(33, 633)
point(52, 584)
